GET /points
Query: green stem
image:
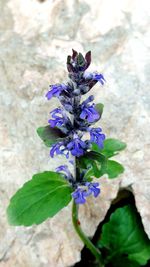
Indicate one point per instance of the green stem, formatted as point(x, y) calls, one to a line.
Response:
point(83, 237)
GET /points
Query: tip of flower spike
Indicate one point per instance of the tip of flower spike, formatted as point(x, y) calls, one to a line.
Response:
point(77, 62)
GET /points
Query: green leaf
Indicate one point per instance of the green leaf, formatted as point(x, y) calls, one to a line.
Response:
point(114, 169)
point(99, 107)
point(89, 173)
point(95, 163)
point(111, 147)
point(141, 256)
point(124, 235)
point(50, 135)
point(40, 198)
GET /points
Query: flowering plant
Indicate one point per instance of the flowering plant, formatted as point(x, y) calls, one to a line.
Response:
point(70, 132)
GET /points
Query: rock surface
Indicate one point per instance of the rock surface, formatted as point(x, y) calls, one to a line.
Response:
point(35, 38)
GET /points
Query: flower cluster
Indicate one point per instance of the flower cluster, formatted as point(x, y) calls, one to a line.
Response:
point(74, 118)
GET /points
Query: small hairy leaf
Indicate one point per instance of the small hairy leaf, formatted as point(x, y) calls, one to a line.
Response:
point(124, 235)
point(40, 198)
point(50, 135)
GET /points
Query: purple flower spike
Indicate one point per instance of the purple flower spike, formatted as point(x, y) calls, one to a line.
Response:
point(79, 196)
point(56, 90)
point(90, 114)
point(72, 120)
point(96, 136)
point(77, 147)
point(93, 188)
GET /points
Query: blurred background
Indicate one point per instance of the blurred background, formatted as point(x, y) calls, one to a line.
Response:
point(35, 39)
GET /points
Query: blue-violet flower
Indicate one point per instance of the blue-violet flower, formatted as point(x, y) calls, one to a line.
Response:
point(78, 120)
point(56, 90)
point(96, 136)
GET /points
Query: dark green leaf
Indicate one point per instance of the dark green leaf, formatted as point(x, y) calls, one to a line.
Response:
point(142, 256)
point(124, 235)
point(50, 135)
point(99, 107)
point(114, 169)
point(89, 173)
point(40, 198)
point(122, 261)
point(95, 161)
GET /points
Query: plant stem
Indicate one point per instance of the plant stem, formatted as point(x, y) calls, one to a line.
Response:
point(83, 237)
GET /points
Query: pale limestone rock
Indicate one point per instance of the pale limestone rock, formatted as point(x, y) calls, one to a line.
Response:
point(35, 39)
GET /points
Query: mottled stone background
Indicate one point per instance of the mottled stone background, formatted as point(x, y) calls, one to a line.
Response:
point(35, 38)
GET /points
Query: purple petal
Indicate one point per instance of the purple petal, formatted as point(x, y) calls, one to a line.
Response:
point(65, 169)
point(78, 196)
point(93, 188)
point(49, 95)
point(97, 137)
point(77, 152)
point(83, 114)
point(70, 145)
